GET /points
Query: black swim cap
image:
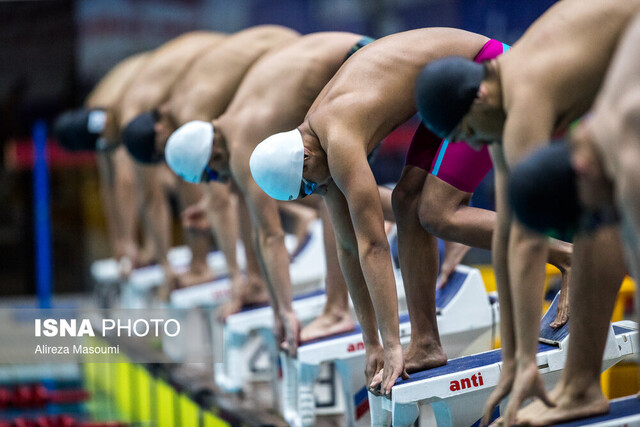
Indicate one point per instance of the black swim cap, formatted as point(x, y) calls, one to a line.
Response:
point(445, 90)
point(79, 129)
point(140, 138)
point(543, 192)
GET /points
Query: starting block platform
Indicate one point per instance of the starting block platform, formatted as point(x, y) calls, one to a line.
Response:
point(623, 412)
point(466, 320)
point(307, 268)
point(106, 271)
point(307, 272)
point(109, 287)
point(454, 394)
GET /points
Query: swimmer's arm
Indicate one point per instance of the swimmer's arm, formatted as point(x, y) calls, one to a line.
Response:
point(117, 188)
point(353, 176)
point(529, 126)
point(500, 254)
point(155, 211)
point(269, 238)
point(222, 216)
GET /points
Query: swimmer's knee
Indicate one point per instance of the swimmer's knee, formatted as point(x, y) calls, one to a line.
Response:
point(403, 198)
point(433, 218)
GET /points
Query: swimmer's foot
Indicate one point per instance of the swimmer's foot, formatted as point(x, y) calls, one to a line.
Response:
point(255, 292)
point(144, 259)
point(537, 406)
point(570, 404)
point(230, 307)
point(327, 324)
point(420, 358)
point(195, 277)
point(252, 294)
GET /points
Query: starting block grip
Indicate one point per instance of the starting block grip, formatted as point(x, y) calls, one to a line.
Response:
point(290, 377)
point(380, 417)
point(306, 396)
point(405, 415)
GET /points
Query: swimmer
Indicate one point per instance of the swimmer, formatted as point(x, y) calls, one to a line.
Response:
point(548, 79)
point(274, 96)
point(329, 154)
point(203, 92)
point(91, 128)
point(595, 177)
point(147, 91)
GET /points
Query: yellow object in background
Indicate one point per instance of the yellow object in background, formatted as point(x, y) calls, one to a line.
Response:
point(189, 412)
point(123, 389)
point(165, 395)
point(211, 420)
point(144, 383)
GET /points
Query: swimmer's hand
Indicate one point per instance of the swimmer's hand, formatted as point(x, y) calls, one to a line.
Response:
point(386, 375)
point(373, 368)
point(527, 383)
point(287, 332)
point(503, 388)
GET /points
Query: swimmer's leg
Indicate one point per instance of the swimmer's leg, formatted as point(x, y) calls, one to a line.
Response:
point(597, 274)
point(336, 317)
point(418, 256)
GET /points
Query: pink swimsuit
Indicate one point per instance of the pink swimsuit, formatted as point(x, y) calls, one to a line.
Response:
point(456, 164)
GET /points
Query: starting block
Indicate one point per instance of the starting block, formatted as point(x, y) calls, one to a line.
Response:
point(106, 275)
point(106, 271)
point(234, 371)
point(466, 320)
point(454, 394)
point(194, 307)
point(307, 268)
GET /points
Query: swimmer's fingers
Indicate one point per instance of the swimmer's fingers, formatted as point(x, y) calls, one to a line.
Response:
point(376, 381)
point(291, 334)
point(500, 392)
point(528, 383)
point(374, 368)
point(393, 367)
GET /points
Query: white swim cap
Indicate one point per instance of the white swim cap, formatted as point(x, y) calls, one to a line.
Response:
point(188, 150)
point(276, 165)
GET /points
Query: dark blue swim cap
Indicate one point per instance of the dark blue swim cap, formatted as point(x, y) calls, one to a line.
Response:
point(140, 138)
point(445, 90)
point(79, 129)
point(543, 192)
